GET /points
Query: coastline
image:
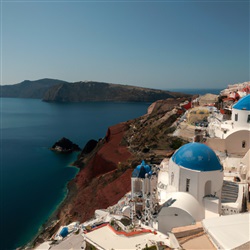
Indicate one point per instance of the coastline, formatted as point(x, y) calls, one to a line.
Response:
point(50, 225)
point(52, 171)
point(101, 181)
point(51, 222)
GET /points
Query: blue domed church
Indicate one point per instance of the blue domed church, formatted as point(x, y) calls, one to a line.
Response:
point(187, 190)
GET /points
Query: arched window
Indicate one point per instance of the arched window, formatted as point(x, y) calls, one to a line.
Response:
point(172, 178)
point(243, 144)
point(236, 117)
point(208, 188)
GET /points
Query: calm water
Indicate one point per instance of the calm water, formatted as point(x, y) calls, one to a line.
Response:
point(33, 178)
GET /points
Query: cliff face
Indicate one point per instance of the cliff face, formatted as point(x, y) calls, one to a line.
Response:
point(105, 172)
point(100, 183)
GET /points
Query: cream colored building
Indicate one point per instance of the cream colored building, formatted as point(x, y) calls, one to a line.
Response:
point(232, 136)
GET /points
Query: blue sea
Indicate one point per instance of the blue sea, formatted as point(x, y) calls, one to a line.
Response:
point(33, 178)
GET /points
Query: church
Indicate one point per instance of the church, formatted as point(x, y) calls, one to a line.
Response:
point(182, 191)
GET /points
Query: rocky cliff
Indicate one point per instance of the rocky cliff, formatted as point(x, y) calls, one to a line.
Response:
point(105, 170)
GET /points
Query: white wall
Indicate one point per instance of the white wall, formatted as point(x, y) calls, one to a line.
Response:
point(216, 178)
point(233, 142)
point(216, 144)
point(193, 176)
point(212, 207)
point(170, 217)
point(242, 118)
point(174, 175)
point(197, 181)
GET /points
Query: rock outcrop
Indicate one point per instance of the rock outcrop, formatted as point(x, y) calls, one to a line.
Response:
point(90, 145)
point(64, 145)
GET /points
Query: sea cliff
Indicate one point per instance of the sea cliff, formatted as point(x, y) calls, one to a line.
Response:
point(105, 171)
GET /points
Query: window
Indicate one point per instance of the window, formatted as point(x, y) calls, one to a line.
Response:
point(187, 184)
point(172, 178)
point(248, 119)
point(236, 117)
point(243, 144)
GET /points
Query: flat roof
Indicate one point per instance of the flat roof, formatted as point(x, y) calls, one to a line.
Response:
point(230, 231)
point(199, 242)
point(105, 238)
point(44, 246)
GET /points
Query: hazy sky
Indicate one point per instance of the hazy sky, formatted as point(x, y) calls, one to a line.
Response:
point(158, 44)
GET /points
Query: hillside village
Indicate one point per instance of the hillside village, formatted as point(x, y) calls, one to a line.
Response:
point(197, 197)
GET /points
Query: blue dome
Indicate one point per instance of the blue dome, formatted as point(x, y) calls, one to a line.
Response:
point(197, 156)
point(141, 170)
point(243, 103)
point(64, 232)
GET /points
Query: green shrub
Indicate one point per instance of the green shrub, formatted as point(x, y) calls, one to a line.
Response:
point(150, 248)
point(176, 143)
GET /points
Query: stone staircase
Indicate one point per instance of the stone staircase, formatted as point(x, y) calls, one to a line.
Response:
point(229, 192)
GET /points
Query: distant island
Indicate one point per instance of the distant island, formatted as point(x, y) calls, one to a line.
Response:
point(29, 89)
point(51, 90)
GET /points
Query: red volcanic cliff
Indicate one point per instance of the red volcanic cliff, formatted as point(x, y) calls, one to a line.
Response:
point(100, 183)
point(105, 173)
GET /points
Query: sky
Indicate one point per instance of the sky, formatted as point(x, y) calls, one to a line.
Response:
point(156, 44)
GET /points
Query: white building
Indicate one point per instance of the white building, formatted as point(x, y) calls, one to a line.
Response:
point(229, 232)
point(188, 189)
point(232, 136)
